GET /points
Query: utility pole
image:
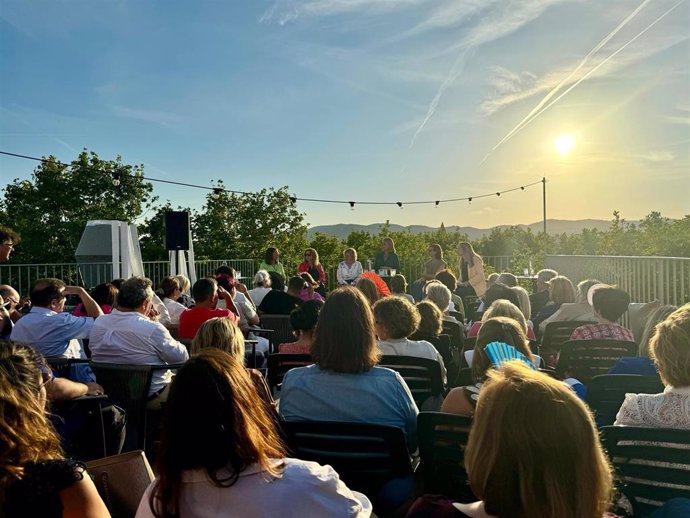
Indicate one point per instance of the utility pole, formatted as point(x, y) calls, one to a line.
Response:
point(543, 184)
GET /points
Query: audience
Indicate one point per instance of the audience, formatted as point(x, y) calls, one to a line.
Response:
point(463, 400)
point(312, 266)
point(551, 465)
point(222, 453)
point(449, 280)
point(369, 289)
point(278, 301)
point(272, 262)
point(311, 288)
point(561, 291)
point(303, 322)
point(206, 293)
point(578, 310)
point(10, 309)
point(349, 269)
point(670, 350)
point(387, 258)
point(471, 268)
point(500, 291)
point(398, 287)
point(185, 285)
point(52, 331)
point(35, 477)
point(609, 304)
point(430, 319)
point(503, 308)
point(129, 336)
point(491, 280)
point(225, 277)
point(105, 296)
point(8, 240)
point(524, 305)
point(262, 285)
point(540, 297)
point(170, 286)
point(395, 321)
point(508, 279)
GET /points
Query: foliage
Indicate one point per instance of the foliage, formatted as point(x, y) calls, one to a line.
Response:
point(51, 209)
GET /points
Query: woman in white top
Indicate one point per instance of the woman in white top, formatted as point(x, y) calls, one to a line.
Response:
point(221, 455)
point(262, 285)
point(670, 350)
point(349, 269)
point(170, 286)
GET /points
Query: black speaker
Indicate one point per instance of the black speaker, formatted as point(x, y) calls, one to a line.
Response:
point(177, 230)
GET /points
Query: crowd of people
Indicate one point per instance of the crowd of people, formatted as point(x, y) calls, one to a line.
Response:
point(220, 440)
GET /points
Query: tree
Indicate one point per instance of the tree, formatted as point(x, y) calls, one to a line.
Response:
point(51, 209)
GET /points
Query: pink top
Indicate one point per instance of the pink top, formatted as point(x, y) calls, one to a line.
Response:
point(304, 295)
point(79, 311)
point(293, 348)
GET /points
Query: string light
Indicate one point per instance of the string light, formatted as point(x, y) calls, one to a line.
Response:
point(217, 191)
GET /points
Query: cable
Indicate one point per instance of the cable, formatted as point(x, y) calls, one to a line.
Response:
point(294, 198)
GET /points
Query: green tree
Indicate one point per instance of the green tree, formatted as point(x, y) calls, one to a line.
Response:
point(50, 210)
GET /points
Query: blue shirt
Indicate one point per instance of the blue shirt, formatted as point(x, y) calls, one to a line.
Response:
point(377, 396)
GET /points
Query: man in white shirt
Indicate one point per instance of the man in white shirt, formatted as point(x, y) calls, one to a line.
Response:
point(129, 336)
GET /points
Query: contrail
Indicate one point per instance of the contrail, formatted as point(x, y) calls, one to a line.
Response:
point(450, 79)
point(553, 92)
point(589, 73)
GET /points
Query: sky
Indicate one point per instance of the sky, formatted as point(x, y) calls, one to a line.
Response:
point(364, 100)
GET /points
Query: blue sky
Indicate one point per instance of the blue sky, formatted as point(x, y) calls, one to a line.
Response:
point(363, 100)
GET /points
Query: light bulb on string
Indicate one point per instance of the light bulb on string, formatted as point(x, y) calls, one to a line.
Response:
point(352, 205)
point(498, 194)
point(399, 204)
point(469, 200)
point(436, 203)
point(116, 179)
point(217, 191)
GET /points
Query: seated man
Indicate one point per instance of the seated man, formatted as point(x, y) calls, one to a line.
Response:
point(129, 336)
point(206, 293)
point(609, 303)
point(55, 333)
point(279, 302)
point(9, 309)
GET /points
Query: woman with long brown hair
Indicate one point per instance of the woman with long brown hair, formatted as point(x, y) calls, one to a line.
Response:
point(35, 477)
point(221, 454)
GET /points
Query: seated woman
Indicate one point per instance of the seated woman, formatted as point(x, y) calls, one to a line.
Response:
point(170, 287)
point(399, 287)
point(449, 280)
point(670, 350)
point(395, 320)
point(262, 285)
point(609, 303)
point(349, 269)
point(223, 333)
point(561, 291)
point(502, 308)
point(430, 320)
point(303, 322)
point(369, 289)
point(311, 289)
point(471, 268)
point(387, 258)
point(221, 454)
point(521, 464)
point(578, 310)
point(314, 268)
point(434, 265)
point(345, 384)
point(271, 262)
point(35, 477)
point(185, 285)
point(105, 296)
point(463, 400)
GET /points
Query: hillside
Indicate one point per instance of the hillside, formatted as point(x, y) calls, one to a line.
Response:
point(553, 226)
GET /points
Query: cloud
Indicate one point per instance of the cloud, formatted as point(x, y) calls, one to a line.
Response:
point(283, 12)
point(658, 156)
point(161, 118)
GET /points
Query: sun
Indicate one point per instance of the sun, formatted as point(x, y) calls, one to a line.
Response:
point(565, 143)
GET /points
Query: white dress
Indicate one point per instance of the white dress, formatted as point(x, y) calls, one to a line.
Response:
point(670, 409)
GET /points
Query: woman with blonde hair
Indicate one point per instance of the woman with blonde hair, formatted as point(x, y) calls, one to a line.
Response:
point(472, 279)
point(463, 400)
point(185, 284)
point(387, 258)
point(521, 465)
point(349, 269)
point(503, 308)
point(670, 350)
point(525, 305)
point(561, 291)
point(313, 267)
point(35, 477)
point(221, 454)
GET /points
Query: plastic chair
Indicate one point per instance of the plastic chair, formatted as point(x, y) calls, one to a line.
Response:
point(282, 330)
point(279, 364)
point(652, 464)
point(366, 456)
point(62, 367)
point(442, 439)
point(557, 333)
point(456, 333)
point(606, 393)
point(422, 375)
point(584, 359)
point(121, 481)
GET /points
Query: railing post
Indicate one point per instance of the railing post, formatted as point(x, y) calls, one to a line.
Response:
point(659, 279)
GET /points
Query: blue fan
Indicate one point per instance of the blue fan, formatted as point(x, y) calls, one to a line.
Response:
point(499, 353)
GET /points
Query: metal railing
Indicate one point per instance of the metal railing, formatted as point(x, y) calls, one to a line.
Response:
point(666, 279)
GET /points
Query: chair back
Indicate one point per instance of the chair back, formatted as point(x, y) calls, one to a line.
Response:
point(127, 386)
point(422, 375)
point(442, 439)
point(62, 367)
point(280, 363)
point(282, 330)
point(366, 456)
point(606, 393)
point(121, 481)
point(652, 465)
point(456, 333)
point(584, 359)
point(557, 333)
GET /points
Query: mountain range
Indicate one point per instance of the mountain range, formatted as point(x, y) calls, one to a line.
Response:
point(553, 226)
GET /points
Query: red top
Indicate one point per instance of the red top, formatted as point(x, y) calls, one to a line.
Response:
point(191, 319)
point(304, 267)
